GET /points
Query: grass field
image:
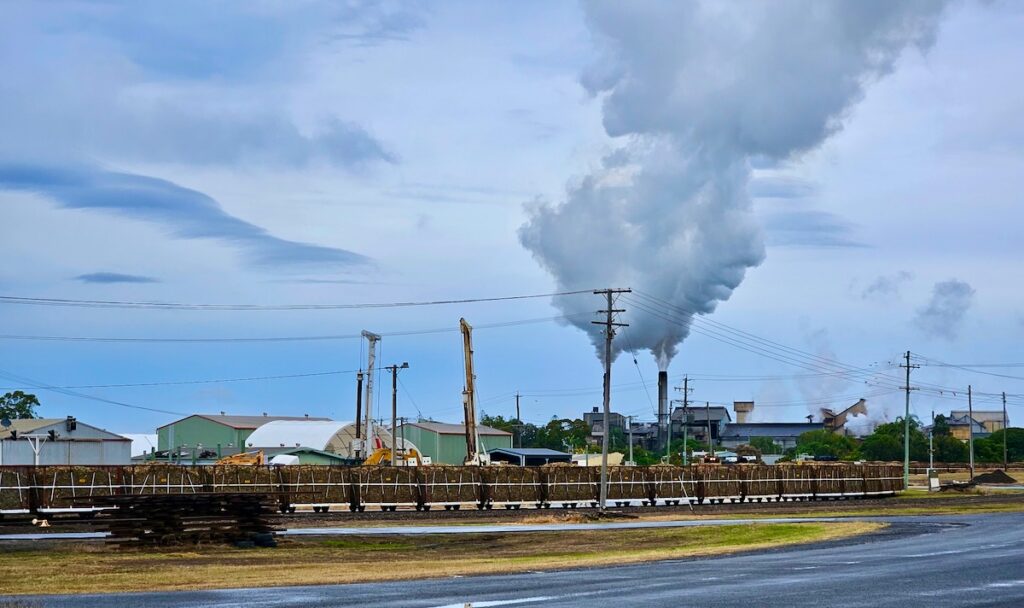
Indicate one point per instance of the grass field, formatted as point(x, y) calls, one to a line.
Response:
point(96, 568)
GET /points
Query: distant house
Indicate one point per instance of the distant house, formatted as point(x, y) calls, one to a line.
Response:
point(960, 425)
point(446, 443)
point(991, 420)
point(61, 441)
point(785, 434)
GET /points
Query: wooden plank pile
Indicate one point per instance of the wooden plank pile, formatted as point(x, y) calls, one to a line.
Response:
point(174, 519)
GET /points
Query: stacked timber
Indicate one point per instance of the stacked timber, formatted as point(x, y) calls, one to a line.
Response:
point(760, 482)
point(569, 484)
point(671, 484)
point(513, 485)
point(387, 487)
point(316, 484)
point(451, 485)
point(171, 519)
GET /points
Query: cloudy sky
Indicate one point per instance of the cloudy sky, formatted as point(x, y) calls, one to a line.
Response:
point(823, 185)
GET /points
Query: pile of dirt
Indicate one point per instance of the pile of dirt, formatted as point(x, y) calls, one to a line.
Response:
point(997, 476)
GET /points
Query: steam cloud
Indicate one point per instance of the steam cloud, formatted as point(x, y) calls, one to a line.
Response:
point(697, 92)
point(945, 312)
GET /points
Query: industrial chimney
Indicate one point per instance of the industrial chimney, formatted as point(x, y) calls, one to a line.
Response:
point(742, 409)
point(663, 414)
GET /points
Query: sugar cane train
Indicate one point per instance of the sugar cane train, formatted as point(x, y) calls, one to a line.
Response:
point(86, 490)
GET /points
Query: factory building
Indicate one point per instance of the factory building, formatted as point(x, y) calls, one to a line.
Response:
point(784, 434)
point(528, 457)
point(61, 441)
point(325, 436)
point(227, 434)
point(446, 443)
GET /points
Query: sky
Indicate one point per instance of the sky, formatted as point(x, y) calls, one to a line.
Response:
point(796, 196)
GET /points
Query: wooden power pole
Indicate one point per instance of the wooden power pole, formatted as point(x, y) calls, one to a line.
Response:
point(609, 333)
point(906, 423)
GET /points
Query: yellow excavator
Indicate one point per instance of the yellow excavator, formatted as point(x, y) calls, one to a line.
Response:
point(251, 458)
point(409, 457)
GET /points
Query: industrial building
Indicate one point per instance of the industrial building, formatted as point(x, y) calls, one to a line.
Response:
point(327, 436)
point(595, 420)
point(446, 443)
point(528, 457)
point(696, 417)
point(785, 434)
point(61, 441)
point(217, 433)
point(991, 420)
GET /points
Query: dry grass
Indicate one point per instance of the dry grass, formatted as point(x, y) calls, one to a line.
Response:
point(93, 568)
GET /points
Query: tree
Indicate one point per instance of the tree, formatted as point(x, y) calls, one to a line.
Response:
point(941, 426)
point(765, 445)
point(18, 405)
point(881, 447)
point(895, 431)
point(826, 443)
point(949, 449)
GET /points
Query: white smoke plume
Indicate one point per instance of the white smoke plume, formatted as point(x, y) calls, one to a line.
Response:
point(944, 315)
point(694, 93)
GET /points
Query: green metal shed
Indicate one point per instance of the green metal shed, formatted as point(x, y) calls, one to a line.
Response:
point(212, 430)
point(446, 443)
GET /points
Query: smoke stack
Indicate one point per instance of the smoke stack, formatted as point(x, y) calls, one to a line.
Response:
point(742, 409)
point(663, 416)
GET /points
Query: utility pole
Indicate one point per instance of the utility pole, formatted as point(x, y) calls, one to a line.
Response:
point(970, 427)
point(906, 423)
point(609, 334)
point(686, 427)
point(359, 412)
point(707, 416)
point(1005, 460)
point(629, 427)
point(931, 449)
point(394, 410)
point(519, 423)
point(686, 401)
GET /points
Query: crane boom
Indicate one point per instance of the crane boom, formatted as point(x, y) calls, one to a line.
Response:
point(372, 338)
point(473, 455)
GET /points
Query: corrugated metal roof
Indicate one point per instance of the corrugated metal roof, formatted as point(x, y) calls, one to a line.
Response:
point(979, 415)
point(770, 429)
point(529, 451)
point(443, 428)
point(242, 422)
point(316, 434)
point(27, 425)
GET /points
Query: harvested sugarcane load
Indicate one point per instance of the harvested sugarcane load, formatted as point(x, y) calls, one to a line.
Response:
point(717, 483)
point(759, 482)
point(316, 485)
point(172, 519)
point(671, 485)
point(626, 484)
point(450, 486)
point(162, 479)
point(513, 486)
point(797, 480)
point(569, 485)
point(244, 478)
point(387, 487)
point(63, 487)
point(830, 479)
point(15, 490)
point(882, 478)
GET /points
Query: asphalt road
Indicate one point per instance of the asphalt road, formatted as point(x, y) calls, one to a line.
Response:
point(938, 561)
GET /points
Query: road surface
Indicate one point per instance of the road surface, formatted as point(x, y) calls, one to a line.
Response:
point(973, 560)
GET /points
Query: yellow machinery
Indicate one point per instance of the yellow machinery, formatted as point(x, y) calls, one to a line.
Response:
point(254, 458)
point(473, 454)
point(408, 457)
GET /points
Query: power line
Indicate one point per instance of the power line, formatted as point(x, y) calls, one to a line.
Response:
point(211, 381)
point(411, 332)
point(63, 302)
point(43, 386)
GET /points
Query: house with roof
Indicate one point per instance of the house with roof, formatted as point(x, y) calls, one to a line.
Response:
point(990, 420)
point(60, 441)
point(961, 425)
